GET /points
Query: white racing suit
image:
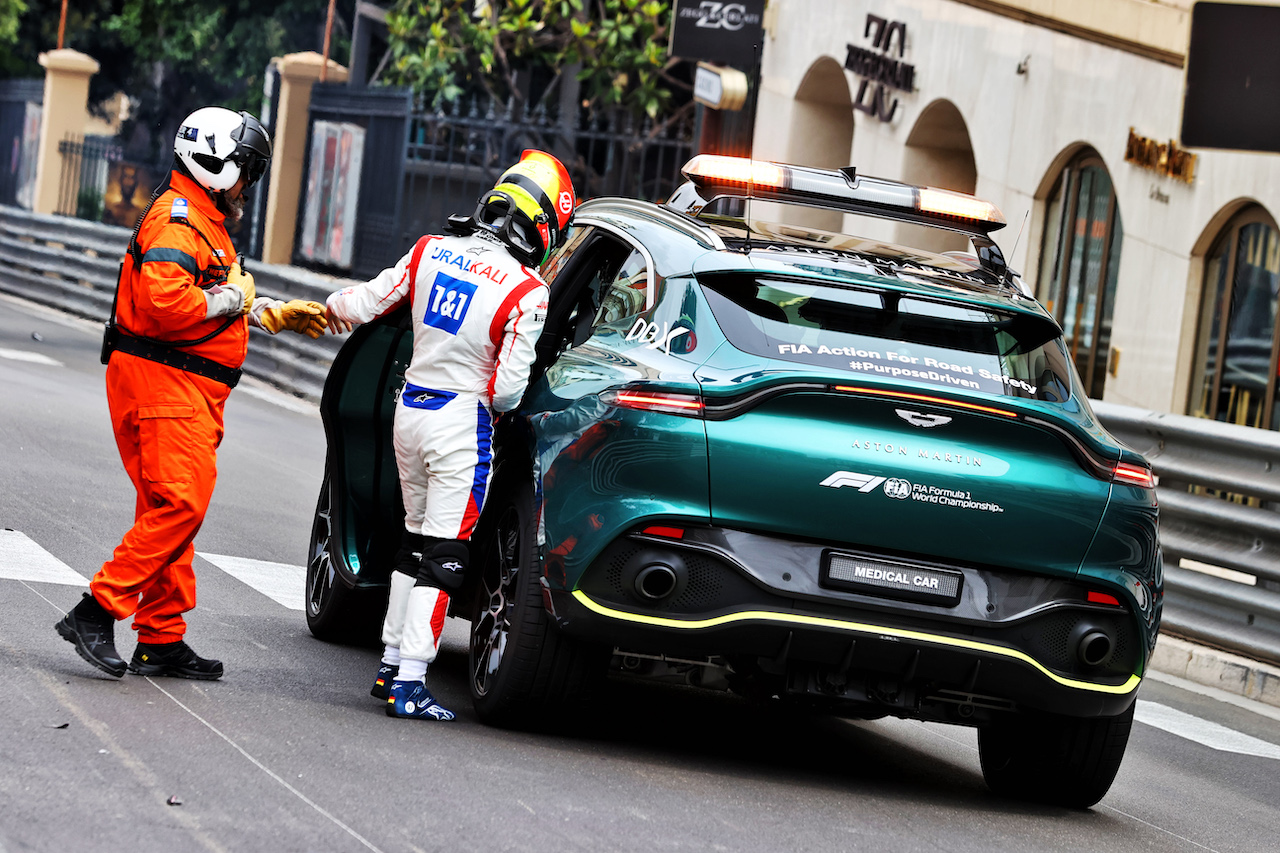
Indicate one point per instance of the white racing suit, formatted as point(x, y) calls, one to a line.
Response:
point(477, 313)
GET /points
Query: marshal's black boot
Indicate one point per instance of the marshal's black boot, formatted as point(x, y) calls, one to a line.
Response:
point(92, 630)
point(174, 659)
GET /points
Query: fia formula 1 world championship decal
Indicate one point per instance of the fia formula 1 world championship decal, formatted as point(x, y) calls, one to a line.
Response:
point(900, 489)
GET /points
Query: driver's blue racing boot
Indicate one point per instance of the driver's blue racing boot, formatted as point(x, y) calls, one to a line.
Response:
point(382, 681)
point(412, 700)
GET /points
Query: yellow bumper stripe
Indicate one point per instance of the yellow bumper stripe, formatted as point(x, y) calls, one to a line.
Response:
point(843, 625)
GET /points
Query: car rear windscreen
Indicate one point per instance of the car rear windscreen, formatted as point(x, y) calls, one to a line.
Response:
point(892, 335)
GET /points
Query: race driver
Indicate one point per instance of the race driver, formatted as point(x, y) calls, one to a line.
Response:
point(174, 346)
point(478, 306)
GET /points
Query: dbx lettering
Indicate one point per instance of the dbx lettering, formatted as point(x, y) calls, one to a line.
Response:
point(658, 338)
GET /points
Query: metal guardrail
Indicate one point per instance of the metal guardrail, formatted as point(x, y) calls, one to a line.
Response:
point(1192, 457)
point(71, 264)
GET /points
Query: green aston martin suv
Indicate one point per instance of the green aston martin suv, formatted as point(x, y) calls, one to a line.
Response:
point(810, 467)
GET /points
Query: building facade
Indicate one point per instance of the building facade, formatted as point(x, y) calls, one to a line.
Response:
point(1162, 263)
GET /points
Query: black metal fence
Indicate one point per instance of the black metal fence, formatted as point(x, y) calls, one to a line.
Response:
point(82, 185)
point(100, 184)
point(419, 165)
point(456, 153)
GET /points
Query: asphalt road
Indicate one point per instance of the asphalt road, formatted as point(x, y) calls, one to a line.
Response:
point(288, 752)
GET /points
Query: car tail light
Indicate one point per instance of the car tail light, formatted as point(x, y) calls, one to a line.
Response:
point(689, 405)
point(1128, 474)
point(665, 532)
point(1102, 598)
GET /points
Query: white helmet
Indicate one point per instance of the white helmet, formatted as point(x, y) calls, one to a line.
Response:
point(217, 145)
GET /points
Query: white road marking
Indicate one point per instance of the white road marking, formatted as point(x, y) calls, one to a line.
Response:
point(267, 770)
point(1204, 732)
point(21, 559)
point(280, 582)
point(32, 357)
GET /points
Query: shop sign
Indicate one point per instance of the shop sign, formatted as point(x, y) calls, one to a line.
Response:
point(1165, 158)
point(878, 68)
point(719, 88)
point(715, 31)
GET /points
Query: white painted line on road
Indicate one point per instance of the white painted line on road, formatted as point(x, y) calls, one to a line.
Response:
point(21, 559)
point(267, 770)
point(1210, 734)
point(32, 357)
point(281, 582)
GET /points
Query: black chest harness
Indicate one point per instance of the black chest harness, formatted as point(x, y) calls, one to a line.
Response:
point(170, 353)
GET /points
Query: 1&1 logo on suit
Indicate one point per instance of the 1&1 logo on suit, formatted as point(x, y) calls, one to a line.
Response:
point(448, 304)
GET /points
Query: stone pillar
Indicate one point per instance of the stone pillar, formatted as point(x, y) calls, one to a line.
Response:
point(298, 73)
point(66, 111)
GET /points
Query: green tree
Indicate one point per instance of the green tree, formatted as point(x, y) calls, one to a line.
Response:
point(10, 12)
point(615, 48)
point(173, 56)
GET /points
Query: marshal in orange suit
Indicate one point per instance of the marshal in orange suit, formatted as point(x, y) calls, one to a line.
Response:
point(174, 347)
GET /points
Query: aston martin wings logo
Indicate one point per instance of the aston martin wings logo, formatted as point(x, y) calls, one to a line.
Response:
point(861, 482)
point(920, 419)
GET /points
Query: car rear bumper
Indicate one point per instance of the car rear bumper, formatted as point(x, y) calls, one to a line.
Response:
point(843, 646)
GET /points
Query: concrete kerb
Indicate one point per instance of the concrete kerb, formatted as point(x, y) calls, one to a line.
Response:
point(1213, 668)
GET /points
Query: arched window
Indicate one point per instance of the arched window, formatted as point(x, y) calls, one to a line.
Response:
point(938, 154)
point(821, 133)
point(1079, 262)
point(1233, 378)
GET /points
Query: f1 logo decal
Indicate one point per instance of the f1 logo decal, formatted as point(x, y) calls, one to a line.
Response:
point(861, 482)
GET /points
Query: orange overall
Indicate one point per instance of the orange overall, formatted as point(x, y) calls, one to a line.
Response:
point(167, 421)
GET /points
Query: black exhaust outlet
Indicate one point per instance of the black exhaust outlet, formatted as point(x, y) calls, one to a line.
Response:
point(655, 581)
point(1093, 645)
point(655, 575)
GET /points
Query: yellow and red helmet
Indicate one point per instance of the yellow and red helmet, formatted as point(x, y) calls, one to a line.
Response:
point(530, 206)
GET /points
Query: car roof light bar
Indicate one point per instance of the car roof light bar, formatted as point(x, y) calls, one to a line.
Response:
point(715, 176)
point(735, 171)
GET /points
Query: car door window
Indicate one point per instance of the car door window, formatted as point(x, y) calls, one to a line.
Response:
point(575, 239)
point(627, 294)
point(578, 276)
point(602, 265)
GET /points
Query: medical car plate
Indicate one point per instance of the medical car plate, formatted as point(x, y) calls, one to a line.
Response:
point(874, 576)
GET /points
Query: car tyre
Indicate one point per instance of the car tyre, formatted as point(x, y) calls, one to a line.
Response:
point(336, 612)
point(522, 670)
point(1048, 758)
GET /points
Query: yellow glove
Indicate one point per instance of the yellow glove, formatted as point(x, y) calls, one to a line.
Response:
point(305, 318)
point(244, 281)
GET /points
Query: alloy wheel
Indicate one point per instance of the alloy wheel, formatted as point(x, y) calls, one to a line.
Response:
point(320, 571)
point(492, 629)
